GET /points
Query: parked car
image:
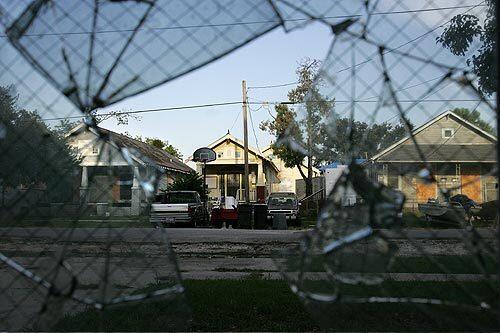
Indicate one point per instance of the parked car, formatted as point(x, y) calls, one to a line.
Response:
point(465, 201)
point(284, 202)
point(451, 211)
point(485, 211)
point(178, 208)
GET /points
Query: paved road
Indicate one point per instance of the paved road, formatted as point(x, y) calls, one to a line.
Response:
point(138, 257)
point(189, 235)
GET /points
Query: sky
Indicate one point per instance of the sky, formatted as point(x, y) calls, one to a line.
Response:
point(270, 59)
point(353, 68)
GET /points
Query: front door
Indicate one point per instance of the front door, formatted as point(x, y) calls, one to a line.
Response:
point(233, 184)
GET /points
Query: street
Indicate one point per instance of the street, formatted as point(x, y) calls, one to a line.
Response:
point(137, 257)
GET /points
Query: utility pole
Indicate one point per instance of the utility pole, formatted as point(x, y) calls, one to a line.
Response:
point(245, 142)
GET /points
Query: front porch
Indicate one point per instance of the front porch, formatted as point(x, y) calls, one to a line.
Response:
point(476, 180)
point(111, 190)
point(229, 180)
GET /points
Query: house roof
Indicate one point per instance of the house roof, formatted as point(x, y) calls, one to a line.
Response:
point(240, 143)
point(231, 137)
point(156, 155)
point(441, 151)
point(315, 169)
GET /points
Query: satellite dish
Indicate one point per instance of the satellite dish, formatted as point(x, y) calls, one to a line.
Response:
point(204, 155)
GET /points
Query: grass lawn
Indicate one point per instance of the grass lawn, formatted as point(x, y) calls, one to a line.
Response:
point(453, 264)
point(265, 305)
point(417, 220)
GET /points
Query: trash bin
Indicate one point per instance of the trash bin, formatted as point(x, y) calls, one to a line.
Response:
point(244, 216)
point(102, 209)
point(260, 216)
point(279, 221)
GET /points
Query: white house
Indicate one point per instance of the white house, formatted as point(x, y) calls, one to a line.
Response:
point(108, 178)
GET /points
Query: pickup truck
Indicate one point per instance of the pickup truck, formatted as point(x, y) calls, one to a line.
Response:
point(177, 208)
point(284, 203)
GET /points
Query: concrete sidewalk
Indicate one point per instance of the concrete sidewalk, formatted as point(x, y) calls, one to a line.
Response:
point(190, 235)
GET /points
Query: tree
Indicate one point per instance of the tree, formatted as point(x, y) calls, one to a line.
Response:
point(365, 140)
point(299, 140)
point(164, 145)
point(121, 117)
point(64, 127)
point(188, 182)
point(475, 118)
point(158, 143)
point(459, 36)
point(33, 154)
point(319, 135)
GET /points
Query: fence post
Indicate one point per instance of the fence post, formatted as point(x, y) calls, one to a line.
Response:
point(497, 60)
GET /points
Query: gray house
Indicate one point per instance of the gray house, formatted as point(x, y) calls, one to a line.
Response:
point(108, 180)
point(462, 157)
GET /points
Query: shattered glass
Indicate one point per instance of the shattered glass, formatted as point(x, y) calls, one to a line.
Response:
point(62, 60)
point(389, 69)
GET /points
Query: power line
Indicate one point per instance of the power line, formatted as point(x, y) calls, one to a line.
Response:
point(200, 106)
point(253, 130)
point(387, 50)
point(244, 23)
point(274, 85)
point(376, 101)
point(235, 120)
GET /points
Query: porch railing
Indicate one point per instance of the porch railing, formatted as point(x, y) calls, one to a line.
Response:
point(240, 195)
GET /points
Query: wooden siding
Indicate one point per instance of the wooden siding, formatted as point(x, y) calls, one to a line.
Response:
point(463, 134)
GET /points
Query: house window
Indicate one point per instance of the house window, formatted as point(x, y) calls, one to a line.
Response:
point(220, 154)
point(237, 154)
point(447, 133)
point(95, 150)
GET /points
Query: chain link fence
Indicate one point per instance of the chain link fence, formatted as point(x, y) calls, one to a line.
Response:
point(405, 98)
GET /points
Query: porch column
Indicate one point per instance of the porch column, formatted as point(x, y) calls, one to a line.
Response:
point(225, 184)
point(84, 185)
point(261, 177)
point(135, 204)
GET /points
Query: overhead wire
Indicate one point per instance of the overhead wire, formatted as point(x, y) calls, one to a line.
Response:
point(253, 127)
point(409, 11)
point(235, 120)
point(200, 106)
point(387, 50)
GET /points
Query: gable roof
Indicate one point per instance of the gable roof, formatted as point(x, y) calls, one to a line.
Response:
point(157, 155)
point(240, 143)
point(315, 169)
point(442, 153)
point(230, 137)
point(426, 125)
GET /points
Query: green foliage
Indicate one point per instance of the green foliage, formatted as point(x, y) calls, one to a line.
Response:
point(475, 118)
point(159, 143)
point(249, 305)
point(368, 139)
point(285, 122)
point(64, 127)
point(298, 139)
point(33, 154)
point(188, 182)
point(460, 34)
point(319, 135)
point(165, 145)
